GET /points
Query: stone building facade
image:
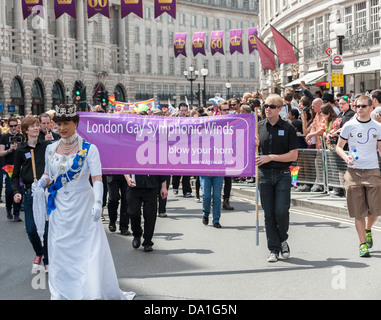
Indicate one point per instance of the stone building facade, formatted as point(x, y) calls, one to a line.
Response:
point(40, 60)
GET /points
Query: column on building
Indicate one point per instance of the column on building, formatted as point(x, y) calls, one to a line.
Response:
point(81, 42)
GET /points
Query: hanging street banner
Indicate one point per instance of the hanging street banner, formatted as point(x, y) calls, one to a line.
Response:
point(168, 6)
point(198, 43)
point(180, 41)
point(62, 6)
point(32, 6)
point(252, 32)
point(235, 40)
point(191, 146)
point(131, 6)
point(217, 42)
point(98, 6)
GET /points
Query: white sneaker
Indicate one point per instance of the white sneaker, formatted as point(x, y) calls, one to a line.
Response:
point(273, 257)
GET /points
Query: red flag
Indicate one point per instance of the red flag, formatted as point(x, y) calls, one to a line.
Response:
point(266, 55)
point(284, 48)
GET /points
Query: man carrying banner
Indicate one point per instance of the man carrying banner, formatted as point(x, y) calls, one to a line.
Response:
point(278, 145)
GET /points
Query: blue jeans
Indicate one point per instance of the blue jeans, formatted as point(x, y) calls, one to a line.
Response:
point(207, 183)
point(275, 193)
point(31, 229)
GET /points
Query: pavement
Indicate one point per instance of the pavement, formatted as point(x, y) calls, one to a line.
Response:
point(315, 201)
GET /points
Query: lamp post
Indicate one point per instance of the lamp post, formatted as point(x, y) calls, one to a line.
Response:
point(204, 73)
point(228, 86)
point(340, 29)
point(191, 76)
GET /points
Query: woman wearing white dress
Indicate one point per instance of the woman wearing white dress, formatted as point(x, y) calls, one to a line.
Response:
point(80, 261)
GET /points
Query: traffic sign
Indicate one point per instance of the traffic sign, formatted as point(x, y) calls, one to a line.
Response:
point(337, 61)
point(338, 79)
point(328, 51)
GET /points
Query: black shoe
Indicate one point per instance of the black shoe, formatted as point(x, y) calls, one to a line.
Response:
point(136, 242)
point(148, 248)
point(205, 220)
point(125, 232)
point(217, 225)
point(112, 227)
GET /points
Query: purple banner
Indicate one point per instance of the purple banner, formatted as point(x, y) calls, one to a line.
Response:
point(235, 40)
point(198, 43)
point(180, 41)
point(131, 6)
point(217, 42)
point(65, 6)
point(168, 6)
point(98, 6)
point(190, 146)
point(34, 6)
point(252, 32)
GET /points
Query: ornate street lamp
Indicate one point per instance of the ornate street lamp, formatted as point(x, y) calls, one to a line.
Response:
point(191, 76)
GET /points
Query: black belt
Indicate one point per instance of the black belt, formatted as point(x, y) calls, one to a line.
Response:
point(275, 169)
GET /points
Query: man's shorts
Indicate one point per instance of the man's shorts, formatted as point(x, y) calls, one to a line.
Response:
point(363, 192)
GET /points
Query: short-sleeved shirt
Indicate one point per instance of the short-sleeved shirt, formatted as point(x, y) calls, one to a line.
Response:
point(362, 137)
point(279, 138)
point(318, 124)
point(7, 140)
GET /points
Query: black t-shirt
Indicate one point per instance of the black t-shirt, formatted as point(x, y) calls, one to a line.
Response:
point(7, 140)
point(280, 138)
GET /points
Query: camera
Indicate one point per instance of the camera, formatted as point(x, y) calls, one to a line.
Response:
point(15, 139)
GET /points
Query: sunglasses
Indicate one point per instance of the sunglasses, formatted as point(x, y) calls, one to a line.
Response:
point(12, 126)
point(225, 110)
point(362, 106)
point(271, 106)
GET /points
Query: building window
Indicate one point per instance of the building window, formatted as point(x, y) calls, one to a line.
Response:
point(160, 64)
point(374, 17)
point(148, 36)
point(172, 66)
point(137, 62)
point(159, 38)
point(149, 63)
point(361, 17)
point(194, 21)
point(218, 68)
point(252, 69)
point(204, 22)
point(229, 69)
point(240, 69)
point(137, 35)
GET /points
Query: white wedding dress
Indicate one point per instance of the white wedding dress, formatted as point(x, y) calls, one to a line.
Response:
point(81, 266)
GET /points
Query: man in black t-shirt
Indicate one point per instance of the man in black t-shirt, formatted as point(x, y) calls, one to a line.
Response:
point(9, 142)
point(278, 145)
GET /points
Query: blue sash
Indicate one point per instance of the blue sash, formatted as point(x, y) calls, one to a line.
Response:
point(76, 167)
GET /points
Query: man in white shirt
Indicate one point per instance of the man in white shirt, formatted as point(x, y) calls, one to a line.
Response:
point(375, 95)
point(363, 176)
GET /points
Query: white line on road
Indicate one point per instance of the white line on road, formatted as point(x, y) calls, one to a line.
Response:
point(312, 214)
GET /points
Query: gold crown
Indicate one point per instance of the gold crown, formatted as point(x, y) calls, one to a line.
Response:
point(165, 1)
point(64, 1)
point(198, 43)
point(131, 1)
point(235, 41)
point(32, 1)
point(179, 44)
point(252, 39)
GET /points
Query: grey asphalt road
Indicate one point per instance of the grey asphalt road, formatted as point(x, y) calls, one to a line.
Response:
point(193, 261)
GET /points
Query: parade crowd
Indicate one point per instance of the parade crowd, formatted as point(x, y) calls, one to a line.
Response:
point(45, 152)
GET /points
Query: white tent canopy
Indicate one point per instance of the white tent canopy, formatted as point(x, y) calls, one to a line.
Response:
point(310, 78)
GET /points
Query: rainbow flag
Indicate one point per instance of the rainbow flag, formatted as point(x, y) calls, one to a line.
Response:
point(294, 175)
point(9, 169)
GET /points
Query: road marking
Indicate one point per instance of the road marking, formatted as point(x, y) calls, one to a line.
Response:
point(313, 214)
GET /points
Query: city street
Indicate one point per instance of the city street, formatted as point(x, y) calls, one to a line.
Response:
point(193, 261)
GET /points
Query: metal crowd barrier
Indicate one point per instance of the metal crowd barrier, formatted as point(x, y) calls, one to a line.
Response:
point(321, 167)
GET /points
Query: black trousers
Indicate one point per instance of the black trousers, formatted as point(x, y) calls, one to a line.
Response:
point(185, 182)
point(163, 202)
point(117, 190)
point(227, 187)
point(148, 197)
